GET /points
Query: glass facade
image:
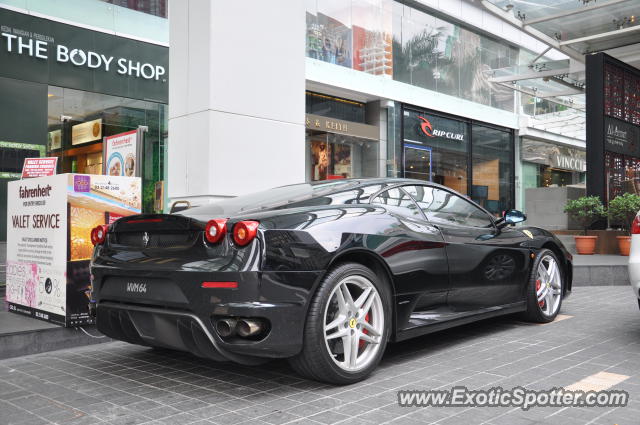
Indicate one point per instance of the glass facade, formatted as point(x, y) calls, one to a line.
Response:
point(334, 107)
point(390, 39)
point(334, 156)
point(152, 7)
point(108, 115)
point(143, 19)
point(436, 149)
point(472, 158)
point(550, 165)
point(339, 143)
point(84, 85)
point(492, 165)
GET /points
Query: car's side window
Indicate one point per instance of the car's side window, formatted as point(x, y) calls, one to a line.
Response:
point(444, 207)
point(398, 201)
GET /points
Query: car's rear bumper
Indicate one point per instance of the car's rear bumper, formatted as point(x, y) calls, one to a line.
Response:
point(634, 265)
point(186, 319)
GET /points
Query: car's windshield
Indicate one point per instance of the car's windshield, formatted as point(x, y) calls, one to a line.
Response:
point(297, 195)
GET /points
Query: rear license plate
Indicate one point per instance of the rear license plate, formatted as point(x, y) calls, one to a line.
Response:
point(142, 289)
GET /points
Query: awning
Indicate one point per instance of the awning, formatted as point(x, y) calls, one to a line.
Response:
point(575, 28)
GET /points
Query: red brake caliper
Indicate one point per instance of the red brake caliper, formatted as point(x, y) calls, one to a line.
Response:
point(538, 283)
point(364, 331)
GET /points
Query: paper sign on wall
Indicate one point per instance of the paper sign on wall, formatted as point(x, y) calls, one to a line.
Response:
point(39, 167)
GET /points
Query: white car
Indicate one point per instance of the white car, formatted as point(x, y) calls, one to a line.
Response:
point(634, 258)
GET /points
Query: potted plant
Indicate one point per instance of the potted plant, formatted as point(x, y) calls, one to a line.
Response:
point(622, 210)
point(586, 211)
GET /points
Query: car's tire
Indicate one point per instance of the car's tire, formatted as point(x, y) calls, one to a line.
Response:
point(320, 358)
point(544, 296)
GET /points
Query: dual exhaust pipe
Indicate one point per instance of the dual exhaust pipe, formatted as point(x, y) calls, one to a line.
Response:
point(245, 328)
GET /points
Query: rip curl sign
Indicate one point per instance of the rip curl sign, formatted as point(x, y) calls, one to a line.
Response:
point(429, 130)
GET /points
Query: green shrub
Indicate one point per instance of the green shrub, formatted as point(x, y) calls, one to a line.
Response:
point(623, 209)
point(585, 210)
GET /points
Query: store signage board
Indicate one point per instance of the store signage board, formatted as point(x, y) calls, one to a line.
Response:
point(48, 52)
point(566, 162)
point(86, 132)
point(331, 125)
point(120, 154)
point(422, 128)
point(621, 137)
point(39, 167)
point(553, 155)
point(49, 220)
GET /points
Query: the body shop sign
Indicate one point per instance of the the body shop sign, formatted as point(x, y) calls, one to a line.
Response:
point(44, 51)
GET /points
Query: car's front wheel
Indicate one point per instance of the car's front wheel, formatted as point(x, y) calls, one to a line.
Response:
point(544, 292)
point(347, 326)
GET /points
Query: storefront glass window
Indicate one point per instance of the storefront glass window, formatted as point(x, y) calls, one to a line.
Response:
point(550, 165)
point(78, 120)
point(492, 168)
point(335, 156)
point(436, 149)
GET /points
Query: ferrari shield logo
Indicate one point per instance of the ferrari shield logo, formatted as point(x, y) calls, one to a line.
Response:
point(528, 233)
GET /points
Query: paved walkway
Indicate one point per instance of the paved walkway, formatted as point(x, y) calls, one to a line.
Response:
point(600, 260)
point(117, 383)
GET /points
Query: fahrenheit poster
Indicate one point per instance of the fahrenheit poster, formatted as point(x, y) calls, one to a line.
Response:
point(37, 247)
point(48, 240)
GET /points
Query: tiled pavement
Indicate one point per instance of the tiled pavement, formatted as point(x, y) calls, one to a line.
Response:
point(117, 383)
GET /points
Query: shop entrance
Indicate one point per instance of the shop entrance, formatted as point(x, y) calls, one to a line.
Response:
point(337, 156)
point(417, 162)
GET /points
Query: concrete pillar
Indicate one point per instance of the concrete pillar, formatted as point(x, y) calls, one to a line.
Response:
point(236, 97)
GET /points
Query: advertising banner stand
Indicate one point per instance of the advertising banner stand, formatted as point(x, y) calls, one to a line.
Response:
point(49, 221)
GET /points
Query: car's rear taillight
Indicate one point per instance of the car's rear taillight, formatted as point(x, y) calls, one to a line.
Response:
point(635, 226)
point(99, 234)
point(244, 232)
point(215, 230)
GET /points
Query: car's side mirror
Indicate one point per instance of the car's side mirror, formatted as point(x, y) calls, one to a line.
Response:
point(514, 216)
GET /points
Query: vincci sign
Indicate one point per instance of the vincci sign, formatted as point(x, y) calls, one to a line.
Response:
point(23, 43)
point(429, 131)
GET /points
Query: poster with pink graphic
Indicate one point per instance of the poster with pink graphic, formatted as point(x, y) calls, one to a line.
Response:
point(49, 222)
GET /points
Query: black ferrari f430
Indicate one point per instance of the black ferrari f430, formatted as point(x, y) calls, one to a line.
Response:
point(323, 274)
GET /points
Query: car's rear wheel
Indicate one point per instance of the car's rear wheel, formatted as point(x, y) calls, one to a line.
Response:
point(347, 326)
point(544, 292)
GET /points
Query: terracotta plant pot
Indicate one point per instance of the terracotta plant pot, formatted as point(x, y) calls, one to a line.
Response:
point(586, 245)
point(624, 243)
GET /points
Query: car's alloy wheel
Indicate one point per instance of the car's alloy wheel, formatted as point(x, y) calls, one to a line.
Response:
point(354, 323)
point(347, 326)
point(545, 288)
point(548, 285)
